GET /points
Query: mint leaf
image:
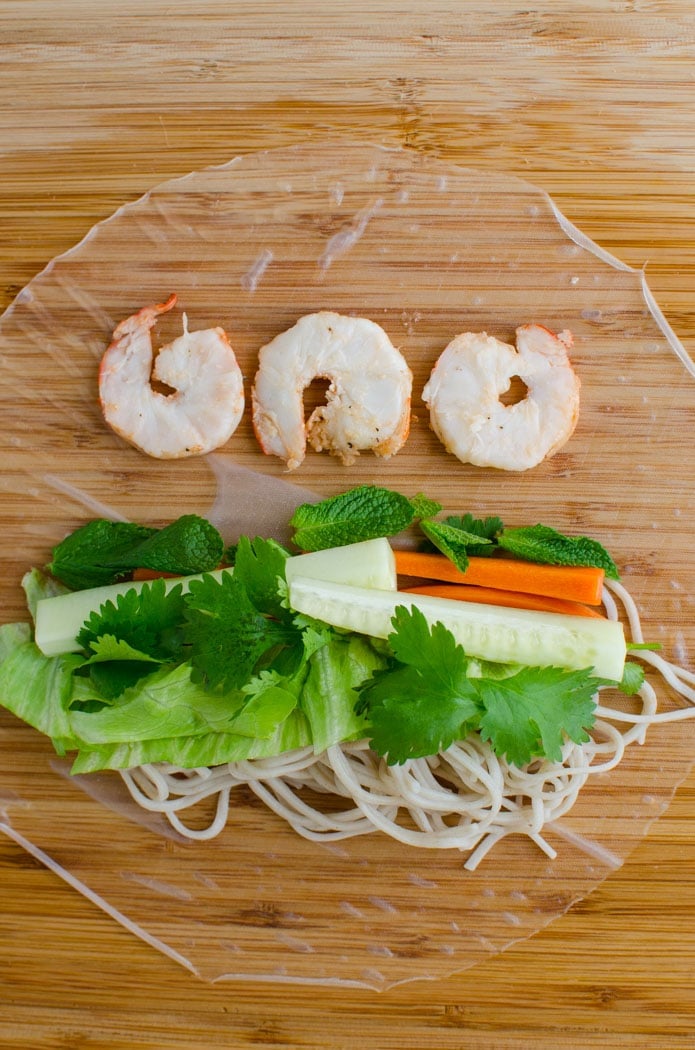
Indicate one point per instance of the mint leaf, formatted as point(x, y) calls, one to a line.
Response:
point(529, 714)
point(102, 551)
point(487, 529)
point(424, 507)
point(544, 545)
point(188, 545)
point(452, 541)
point(86, 557)
point(362, 513)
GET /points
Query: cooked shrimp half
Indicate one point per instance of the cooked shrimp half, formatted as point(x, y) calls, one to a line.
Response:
point(367, 402)
point(206, 401)
point(475, 370)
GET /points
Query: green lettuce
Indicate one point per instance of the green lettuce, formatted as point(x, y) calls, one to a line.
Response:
point(169, 716)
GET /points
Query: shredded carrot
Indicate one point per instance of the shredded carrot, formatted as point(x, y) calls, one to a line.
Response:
point(578, 583)
point(508, 599)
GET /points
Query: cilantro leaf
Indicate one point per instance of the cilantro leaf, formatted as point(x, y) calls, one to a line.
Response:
point(542, 544)
point(226, 633)
point(362, 513)
point(271, 698)
point(110, 679)
point(107, 648)
point(113, 667)
point(148, 620)
point(633, 678)
point(529, 714)
point(102, 551)
point(422, 706)
point(432, 651)
point(258, 565)
point(406, 720)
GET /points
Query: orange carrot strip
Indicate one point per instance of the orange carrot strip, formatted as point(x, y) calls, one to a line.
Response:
point(577, 583)
point(508, 599)
point(153, 574)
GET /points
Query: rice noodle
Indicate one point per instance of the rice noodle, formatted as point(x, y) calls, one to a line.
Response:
point(464, 798)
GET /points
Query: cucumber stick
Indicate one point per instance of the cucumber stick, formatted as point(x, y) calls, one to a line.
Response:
point(369, 564)
point(524, 636)
point(60, 619)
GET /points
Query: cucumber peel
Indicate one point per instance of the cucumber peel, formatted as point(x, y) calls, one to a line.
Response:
point(523, 636)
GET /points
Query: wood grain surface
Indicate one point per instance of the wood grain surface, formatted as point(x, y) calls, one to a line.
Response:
point(595, 103)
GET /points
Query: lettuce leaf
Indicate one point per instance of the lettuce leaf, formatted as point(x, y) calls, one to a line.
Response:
point(330, 693)
point(209, 749)
point(36, 688)
point(165, 703)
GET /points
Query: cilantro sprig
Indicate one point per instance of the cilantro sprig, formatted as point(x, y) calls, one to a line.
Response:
point(132, 636)
point(425, 700)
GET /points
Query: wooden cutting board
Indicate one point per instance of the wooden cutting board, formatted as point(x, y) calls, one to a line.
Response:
point(415, 243)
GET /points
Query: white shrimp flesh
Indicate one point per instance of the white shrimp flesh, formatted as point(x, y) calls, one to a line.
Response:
point(367, 402)
point(202, 402)
point(465, 390)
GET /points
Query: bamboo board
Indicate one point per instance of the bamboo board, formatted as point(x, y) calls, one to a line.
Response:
point(420, 327)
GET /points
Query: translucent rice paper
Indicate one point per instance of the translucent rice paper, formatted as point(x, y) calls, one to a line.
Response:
point(427, 250)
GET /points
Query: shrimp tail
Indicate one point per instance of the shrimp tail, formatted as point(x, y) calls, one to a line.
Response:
point(145, 318)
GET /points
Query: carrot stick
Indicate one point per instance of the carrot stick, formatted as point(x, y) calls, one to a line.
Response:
point(153, 574)
point(509, 599)
point(577, 583)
